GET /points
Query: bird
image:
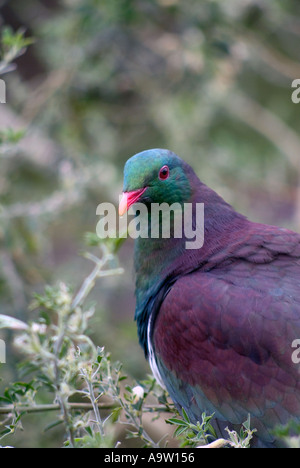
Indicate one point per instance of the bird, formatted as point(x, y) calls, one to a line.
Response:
point(217, 323)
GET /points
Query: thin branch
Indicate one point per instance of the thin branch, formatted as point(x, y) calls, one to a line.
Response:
point(73, 407)
point(89, 282)
point(53, 407)
point(273, 129)
point(273, 58)
point(34, 146)
point(61, 200)
point(14, 281)
point(267, 124)
point(93, 400)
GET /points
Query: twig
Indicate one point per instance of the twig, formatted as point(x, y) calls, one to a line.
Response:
point(93, 400)
point(62, 403)
point(71, 406)
point(14, 281)
point(60, 200)
point(34, 146)
point(274, 129)
point(272, 57)
point(89, 282)
point(54, 407)
point(268, 124)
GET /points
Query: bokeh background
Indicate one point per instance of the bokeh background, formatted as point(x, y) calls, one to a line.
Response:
point(210, 80)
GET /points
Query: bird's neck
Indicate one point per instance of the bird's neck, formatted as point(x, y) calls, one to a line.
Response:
point(159, 262)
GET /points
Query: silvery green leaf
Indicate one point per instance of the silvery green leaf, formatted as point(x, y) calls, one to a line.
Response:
point(10, 322)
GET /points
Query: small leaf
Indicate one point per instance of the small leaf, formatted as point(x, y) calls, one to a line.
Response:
point(124, 377)
point(180, 430)
point(89, 430)
point(184, 414)
point(12, 323)
point(177, 421)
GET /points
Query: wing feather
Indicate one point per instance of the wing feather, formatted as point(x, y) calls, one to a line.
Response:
point(223, 338)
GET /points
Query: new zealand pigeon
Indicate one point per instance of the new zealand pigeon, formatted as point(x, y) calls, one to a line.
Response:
point(218, 322)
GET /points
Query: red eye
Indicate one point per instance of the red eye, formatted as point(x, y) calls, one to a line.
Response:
point(164, 173)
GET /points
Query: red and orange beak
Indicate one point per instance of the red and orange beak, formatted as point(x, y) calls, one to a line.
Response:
point(128, 199)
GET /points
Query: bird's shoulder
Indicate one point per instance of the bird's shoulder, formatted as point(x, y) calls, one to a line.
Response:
point(248, 302)
point(223, 338)
point(258, 244)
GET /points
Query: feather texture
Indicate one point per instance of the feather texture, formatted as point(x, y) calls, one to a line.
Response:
point(217, 323)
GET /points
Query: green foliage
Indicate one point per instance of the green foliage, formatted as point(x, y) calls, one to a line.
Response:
point(14, 40)
point(62, 359)
point(289, 433)
point(203, 434)
point(193, 435)
point(88, 390)
point(11, 136)
point(12, 45)
point(243, 438)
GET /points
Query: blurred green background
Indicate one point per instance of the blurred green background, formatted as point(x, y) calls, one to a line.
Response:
point(210, 80)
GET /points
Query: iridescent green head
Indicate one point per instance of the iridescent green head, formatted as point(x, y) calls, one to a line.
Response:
point(155, 176)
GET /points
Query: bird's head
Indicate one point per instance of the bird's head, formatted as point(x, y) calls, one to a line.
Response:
point(155, 176)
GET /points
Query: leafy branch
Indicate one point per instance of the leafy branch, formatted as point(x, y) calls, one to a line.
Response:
point(13, 45)
point(202, 434)
point(63, 359)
